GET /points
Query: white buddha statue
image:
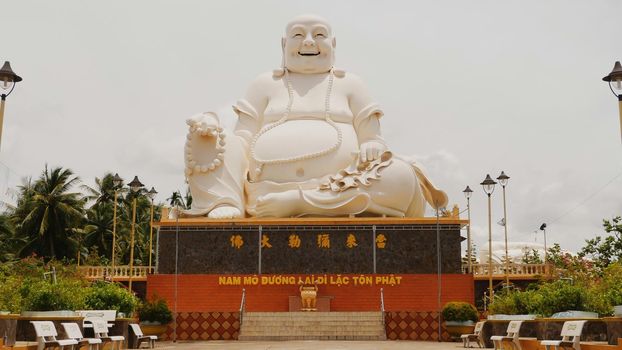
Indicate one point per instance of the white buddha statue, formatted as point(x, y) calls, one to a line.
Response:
point(307, 143)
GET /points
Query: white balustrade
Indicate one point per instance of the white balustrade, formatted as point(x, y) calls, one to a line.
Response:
point(513, 269)
point(119, 273)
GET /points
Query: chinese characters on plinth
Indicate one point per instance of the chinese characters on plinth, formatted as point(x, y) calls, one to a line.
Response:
point(294, 241)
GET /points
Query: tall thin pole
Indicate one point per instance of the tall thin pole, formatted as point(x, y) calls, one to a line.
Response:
point(151, 237)
point(545, 252)
point(438, 271)
point(469, 247)
point(132, 242)
point(489, 250)
point(176, 273)
point(619, 107)
point(2, 99)
point(259, 257)
point(114, 230)
point(373, 242)
point(505, 226)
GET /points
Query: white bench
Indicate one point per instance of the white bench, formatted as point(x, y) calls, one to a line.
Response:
point(476, 336)
point(46, 336)
point(511, 336)
point(108, 315)
point(73, 332)
point(571, 336)
point(140, 337)
point(100, 329)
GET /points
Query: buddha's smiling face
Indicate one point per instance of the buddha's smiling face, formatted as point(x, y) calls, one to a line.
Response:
point(308, 45)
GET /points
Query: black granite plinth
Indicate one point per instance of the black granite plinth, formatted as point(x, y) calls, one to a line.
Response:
point(308, 247)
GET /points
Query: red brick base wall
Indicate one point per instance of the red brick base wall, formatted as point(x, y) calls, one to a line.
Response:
point(209, 293)
point(208, 306)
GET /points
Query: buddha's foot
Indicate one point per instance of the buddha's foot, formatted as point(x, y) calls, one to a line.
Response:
point(225, 212)
point(283, 204)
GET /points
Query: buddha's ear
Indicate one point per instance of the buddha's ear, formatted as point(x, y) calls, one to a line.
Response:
point(334, 42)
point(283, 43)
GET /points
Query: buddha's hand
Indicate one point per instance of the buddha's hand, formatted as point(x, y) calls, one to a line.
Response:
point(371, 150)
point(204, 124)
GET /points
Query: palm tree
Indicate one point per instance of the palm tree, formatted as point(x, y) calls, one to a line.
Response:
point(7, 239)
point(103, 192)
point(98, 229)
point(176, 200)
point(52, 212)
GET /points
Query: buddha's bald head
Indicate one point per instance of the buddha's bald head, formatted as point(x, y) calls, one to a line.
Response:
point(308, 45)
point(308, 19)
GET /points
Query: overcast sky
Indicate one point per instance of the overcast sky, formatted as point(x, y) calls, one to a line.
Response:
point(468, 88)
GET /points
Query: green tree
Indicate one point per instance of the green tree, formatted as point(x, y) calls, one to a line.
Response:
point(176, 199)
point(605, 251)
point(103, 191)
point(98, 229)
point(48, 213)
point(531, 257)
point(7, 238)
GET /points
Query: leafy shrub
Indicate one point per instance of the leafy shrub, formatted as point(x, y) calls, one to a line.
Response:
point(155, 310)
point(504, 303)
point(612, 283)
point(10, 298)
point(41, 295)
point(561, 296)
point(459, 311)
point(597, 301)
point(110, 296)
point(547, 299)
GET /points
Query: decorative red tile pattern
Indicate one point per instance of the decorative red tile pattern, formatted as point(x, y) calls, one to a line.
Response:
point(205, 326)
point(414, 325)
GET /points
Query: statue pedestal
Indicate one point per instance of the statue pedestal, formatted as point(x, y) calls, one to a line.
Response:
point(308, 246)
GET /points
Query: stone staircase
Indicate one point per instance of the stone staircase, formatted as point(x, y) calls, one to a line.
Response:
point(312, 326)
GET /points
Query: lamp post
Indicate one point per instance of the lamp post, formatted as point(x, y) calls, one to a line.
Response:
point(135, 186)
point(503, 181)
point(8, 78)
point(117, 181)
point(543, 228)
point(151, 194)
point(467, 193)
point(615, 84)
point(489, 187)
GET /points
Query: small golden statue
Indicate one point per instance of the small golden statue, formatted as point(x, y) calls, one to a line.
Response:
point(308, 297)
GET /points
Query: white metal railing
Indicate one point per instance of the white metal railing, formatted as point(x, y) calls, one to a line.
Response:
point(382, 304)
point(242, 305)
point(513, 269)
point(118, 273)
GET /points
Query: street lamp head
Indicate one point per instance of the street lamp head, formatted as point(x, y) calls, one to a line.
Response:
point(117, 180)
point(7, 77)
point(135, 185)
point(615, 78)
point(467, 192)
point(503, 179)
point(488, 184)
point(152, 193)
point(543, 227)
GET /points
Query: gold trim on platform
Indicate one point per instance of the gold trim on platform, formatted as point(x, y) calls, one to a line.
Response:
point(204, 221)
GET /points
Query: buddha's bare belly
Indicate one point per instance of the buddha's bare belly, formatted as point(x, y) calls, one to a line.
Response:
point(303, 138)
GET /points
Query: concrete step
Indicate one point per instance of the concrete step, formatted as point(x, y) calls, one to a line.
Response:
point(312, 325)
point(304, 337)
point(271, 323)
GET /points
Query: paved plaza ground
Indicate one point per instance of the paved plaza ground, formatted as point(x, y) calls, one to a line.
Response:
point(309, 345)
